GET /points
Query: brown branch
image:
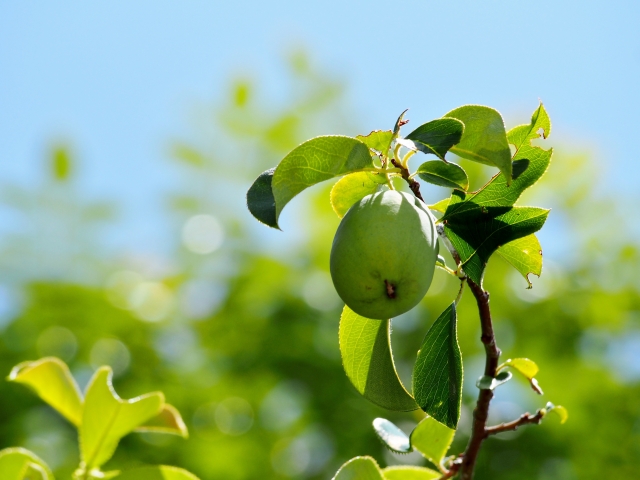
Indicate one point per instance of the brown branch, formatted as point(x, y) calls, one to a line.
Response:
point(413, 185)
point(525, 418)
point(481, 412)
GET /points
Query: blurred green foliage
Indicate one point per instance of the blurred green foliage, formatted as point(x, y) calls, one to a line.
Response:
point(239, 325)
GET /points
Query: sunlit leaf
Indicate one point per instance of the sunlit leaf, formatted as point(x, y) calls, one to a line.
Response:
point(540, 126)
point(437, 136)
point(489, 383)
point(558, 410)
point(443, 174)
point(314, 161)
point(106, 418)
point(260, 200)
point(21, 464)
point(359, 468)
point(61, 163)
point(378, 140)
point(440, 206)
point(392, 437)
point(525, 254)
point(365, 347)
point(432, 439)
point(352, 188)
point(437, 373)
point(484, 139)
point(477, 233)
point(159, 472)
point(51, 380)
point(524, 366)
point(406, 472)
point(168, 420)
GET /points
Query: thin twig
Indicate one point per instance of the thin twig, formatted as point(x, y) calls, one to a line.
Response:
point(481, 412)
point(413, 185)
point(525, 418)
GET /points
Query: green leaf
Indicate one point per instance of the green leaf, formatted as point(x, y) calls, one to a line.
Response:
point(526, 368)
point(365, 346)
point(525, 255)
point(260, 199)
point(406, 472)
point(159, 472)
point(378, 140)
point(438, 136)
point(437, 373)
point(558, 410)
point(432, 439)
point(359, 468)
point(477, 233)
point(61, 163)
point(399, 122)
point(392, 437)
point(51, 380)
point(168, 421)
point(352, 188)
point(484, 139)
point(523, 134)
point(21, 464)
point(440, 206)
point(443, 174)
point(313, 162)
point(486, 382)
point(106, 418)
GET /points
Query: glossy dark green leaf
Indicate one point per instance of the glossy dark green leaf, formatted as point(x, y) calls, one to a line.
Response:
point(484, 139)
point(378, 140)
point(432, 439)
point(261, 201)
point(365, 346)
point(359, 468)
point(443, 174)
point(525, 255)
point(392, 437)
point(352, 188)
point(477, 233)
point(315, 161)
point(437, 373)
point(438, 136)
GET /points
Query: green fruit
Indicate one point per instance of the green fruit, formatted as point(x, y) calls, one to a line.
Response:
point(384, 254)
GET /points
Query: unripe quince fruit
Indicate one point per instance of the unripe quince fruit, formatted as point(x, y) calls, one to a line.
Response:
point(384, 254)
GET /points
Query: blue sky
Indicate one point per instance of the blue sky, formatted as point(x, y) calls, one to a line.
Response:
point(121, 79)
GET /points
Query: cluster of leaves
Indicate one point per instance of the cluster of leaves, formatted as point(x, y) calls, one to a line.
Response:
point(474, 226)
point(102, 419)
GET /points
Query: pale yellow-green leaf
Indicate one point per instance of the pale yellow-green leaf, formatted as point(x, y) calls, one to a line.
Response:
point(525, 254)
point(378, 140)
point(561, 412)
point(352, 188)
point(406, 472)
point(359, 468)
point(106, 418)
point(159, 472)
point(51, 380)
point(440, 206)
point(168, 420)
point(366, 356)
point(432, 439)
point(526, 367)
point(21, 464)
